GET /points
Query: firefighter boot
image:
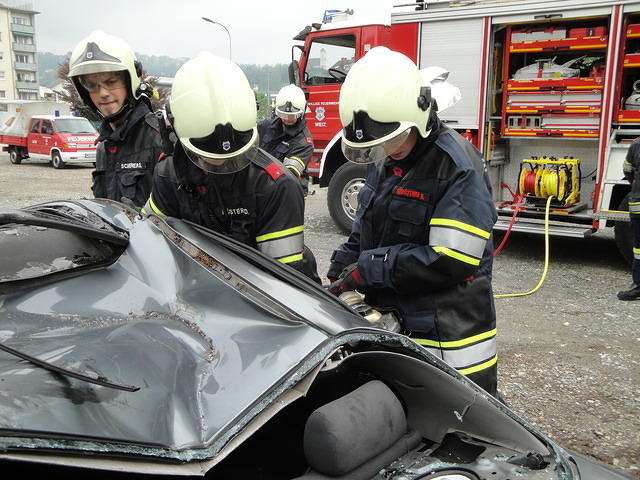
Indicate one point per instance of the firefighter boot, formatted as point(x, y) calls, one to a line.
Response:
point(632, 294)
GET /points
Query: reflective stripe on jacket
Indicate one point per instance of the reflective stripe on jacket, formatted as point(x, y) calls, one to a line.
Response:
point(261, 206)
point(422, 241)
point(291, 145)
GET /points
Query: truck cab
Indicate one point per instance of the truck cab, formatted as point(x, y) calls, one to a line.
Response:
point(329, 51)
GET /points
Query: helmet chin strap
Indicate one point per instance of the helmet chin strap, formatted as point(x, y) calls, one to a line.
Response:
point(128, 105)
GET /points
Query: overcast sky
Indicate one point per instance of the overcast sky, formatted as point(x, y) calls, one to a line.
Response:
point(261, 31)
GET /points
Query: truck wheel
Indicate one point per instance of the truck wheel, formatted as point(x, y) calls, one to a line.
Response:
point(342, 197)
point(14, 156)
point(56, 160)
point(622, 231)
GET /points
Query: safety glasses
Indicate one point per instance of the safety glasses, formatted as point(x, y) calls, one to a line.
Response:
point(108, 81)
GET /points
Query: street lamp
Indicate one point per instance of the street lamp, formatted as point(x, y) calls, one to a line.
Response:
point(225, 29)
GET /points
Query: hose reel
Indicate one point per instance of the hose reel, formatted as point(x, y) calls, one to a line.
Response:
point(544, 177)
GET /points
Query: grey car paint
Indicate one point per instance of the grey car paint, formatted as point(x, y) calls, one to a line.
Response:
point(201, 348)
point(185, 345)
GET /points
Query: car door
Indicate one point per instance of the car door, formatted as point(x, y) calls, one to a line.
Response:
point(46, 137)
point(33, 139)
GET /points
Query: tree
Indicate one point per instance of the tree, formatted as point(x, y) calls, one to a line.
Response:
point(69, 94)
point(264, 109)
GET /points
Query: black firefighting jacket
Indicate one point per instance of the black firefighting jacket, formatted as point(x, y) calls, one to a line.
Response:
point(292, 145)
point(261, 206)
point(126, 157)
point(422, 242)
point(631, 170)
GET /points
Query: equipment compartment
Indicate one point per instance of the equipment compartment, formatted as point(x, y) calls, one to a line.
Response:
point(558, 80)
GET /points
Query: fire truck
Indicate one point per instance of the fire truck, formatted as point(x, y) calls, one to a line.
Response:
point(550, 96)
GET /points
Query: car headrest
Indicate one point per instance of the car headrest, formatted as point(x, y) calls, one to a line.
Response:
point(344, 434)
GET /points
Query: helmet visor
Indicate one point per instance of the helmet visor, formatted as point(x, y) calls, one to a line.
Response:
point(288, 112)
point(223, 164)
point(288, 117)
point(374, 153)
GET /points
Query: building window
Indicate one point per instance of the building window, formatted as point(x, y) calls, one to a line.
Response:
point(21, 58)
point(1, 75)
point(3, 94)
point(26, 76)
point(22, 39)
point(26, 96)
point(4, 107)
point(20, 20)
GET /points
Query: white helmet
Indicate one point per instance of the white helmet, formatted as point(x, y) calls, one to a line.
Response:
point(214, 114)
point(443, 93)
point(100, 53)
point(290, 103)
point(382, 98)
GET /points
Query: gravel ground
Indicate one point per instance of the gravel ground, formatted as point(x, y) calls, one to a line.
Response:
point(569, 360)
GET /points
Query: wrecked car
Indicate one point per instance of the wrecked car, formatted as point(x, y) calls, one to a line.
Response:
point(134, 346)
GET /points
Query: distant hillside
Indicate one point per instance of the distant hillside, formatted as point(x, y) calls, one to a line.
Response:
point(268, 78)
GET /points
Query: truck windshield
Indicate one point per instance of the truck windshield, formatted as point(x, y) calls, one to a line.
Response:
point(330, 59)
point(74, 125)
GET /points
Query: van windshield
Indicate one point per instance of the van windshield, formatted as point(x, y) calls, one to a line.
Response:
point(74, 125)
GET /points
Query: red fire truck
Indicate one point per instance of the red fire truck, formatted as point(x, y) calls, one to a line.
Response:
point(550, 96)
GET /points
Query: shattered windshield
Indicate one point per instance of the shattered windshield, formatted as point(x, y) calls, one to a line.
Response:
point(42, 243)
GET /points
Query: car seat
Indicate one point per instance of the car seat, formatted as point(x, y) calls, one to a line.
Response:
point(357, 435)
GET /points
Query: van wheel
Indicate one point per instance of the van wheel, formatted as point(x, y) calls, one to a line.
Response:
point(14, 156)
point(342, 197)
point(622, 232)
point(56, 160)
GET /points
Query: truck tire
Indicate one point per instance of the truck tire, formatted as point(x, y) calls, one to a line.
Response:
point(622, 231)
point(14, 156)
point(342, 197)
point(56, 160)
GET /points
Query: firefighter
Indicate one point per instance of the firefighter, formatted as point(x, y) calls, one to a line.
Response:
point(421, 241)
point(631, 169)
point(285, 134)
point(217, 176)
point(106, 74)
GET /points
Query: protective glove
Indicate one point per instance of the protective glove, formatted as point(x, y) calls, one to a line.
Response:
point(350, 279)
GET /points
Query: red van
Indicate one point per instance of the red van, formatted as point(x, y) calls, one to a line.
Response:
point(46, 130)
point(60, 139)
point(64, 139)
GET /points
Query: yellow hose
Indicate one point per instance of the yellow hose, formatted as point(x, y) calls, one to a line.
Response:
point(546, 257)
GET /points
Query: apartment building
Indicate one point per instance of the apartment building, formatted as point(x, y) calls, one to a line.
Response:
point(18, 65)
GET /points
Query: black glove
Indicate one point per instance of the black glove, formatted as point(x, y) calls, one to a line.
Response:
point(350, 279)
